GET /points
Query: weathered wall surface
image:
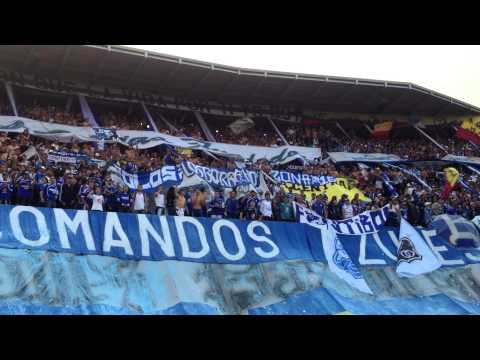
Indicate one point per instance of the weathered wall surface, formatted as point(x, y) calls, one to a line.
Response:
point(60, 283)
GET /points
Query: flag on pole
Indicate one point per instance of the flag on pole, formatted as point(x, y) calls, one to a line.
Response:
point(241, 125)
point(339, 262)
point(382, 131)
point(451, 179)
point(470, 130)
point(414, 257)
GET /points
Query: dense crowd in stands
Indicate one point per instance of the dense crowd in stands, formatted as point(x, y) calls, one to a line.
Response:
point(36, 181)
point(30, 179)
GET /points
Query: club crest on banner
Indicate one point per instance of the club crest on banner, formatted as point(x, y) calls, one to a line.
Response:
point(105, 134)
point(407, 252)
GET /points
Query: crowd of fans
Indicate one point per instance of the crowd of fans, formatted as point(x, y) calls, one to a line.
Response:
point(27, 177)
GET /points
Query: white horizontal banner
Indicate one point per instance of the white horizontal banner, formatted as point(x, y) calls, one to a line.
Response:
point(358, 157)
point(149, 139)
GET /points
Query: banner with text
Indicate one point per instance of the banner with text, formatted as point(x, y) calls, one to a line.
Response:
point(149, 139)
point(166, 176)
point(220, 177)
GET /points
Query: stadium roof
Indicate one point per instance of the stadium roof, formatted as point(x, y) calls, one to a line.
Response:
point(120, 66)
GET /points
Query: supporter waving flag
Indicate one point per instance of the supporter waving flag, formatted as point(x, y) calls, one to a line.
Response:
point(339, 261)
point(451, 179)
point(414, 257)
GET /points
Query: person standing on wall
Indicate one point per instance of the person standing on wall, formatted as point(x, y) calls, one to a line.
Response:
point(51, 193)
point(171, 202)
point(97, 199)
point(198, 203)
point(139, 200)
point(160, 201)
point(266, 213)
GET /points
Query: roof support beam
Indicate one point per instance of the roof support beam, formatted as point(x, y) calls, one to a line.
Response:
point(100, 66)
point(198, 83)
point(257, 86)
point(63, 60)
point(344, 95)
point(443, 108)
point(137, 69)
point(398, 100)
point(225, 87)
point(27, 59)
point(172, 73)
point(285, 91)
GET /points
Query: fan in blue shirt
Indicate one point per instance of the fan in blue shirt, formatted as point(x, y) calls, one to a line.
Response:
point(6, 189)
point(123, 199)
point(232, 206)
point(51, 193)
point(25, 188)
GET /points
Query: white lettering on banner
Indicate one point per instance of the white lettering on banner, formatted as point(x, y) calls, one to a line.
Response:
point(258, 250)
point(113, 223)
point(382, 247)
point(472, 257)
point(217, 236)
point(40, 222)
point(146, 229)
point(428, 234)
point(63, 222)
point(394, 238)
point(182, 237)
point(456, 234)
point(362, 259)
point(155, 179)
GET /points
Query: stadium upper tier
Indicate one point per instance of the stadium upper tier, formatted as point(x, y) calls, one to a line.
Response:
point(128, 72)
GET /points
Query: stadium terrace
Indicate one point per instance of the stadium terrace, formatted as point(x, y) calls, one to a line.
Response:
point(108, 150)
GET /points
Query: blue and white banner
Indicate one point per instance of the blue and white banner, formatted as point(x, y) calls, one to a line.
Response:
point(149, 237)
point(358, 157)
point(299, 178)
point(166, 176)
point(470, 160)
point(307, 216)
point(414, 257)
point(339, 261)
point(66, 157)
point(222, 178)
point(368, 222)
point(149, 139)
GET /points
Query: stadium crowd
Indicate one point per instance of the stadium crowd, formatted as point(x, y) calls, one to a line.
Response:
point(27, 177)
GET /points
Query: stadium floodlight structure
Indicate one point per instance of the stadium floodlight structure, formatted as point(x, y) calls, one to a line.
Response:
point(128, 74)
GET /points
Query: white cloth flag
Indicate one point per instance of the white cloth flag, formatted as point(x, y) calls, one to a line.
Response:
point(305, 215)
point(414, 257)
point(339, 262)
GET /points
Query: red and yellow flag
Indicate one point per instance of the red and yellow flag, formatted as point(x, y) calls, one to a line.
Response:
point(382, 131)
point(451, 179)
point(470, 130)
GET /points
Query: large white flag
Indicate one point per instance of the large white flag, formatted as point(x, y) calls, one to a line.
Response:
point(339, 262)
point(307, 216)
point(414, 257)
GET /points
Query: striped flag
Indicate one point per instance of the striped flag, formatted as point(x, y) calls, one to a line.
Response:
point(382, 131)
point(451, 179)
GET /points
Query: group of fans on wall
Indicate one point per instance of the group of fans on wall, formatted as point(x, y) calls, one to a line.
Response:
point(33, 180)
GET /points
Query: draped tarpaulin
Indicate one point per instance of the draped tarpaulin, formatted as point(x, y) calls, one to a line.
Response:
point(149, 139)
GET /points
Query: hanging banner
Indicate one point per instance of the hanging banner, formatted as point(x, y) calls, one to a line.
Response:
point(299, 178)
point(156, 238)
point(222, 178)
point(337, 157)
point(368, 222)
point(149, 139)
point(342, 186)
point(471, 160)
point(66, 157)
point(166, 176)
